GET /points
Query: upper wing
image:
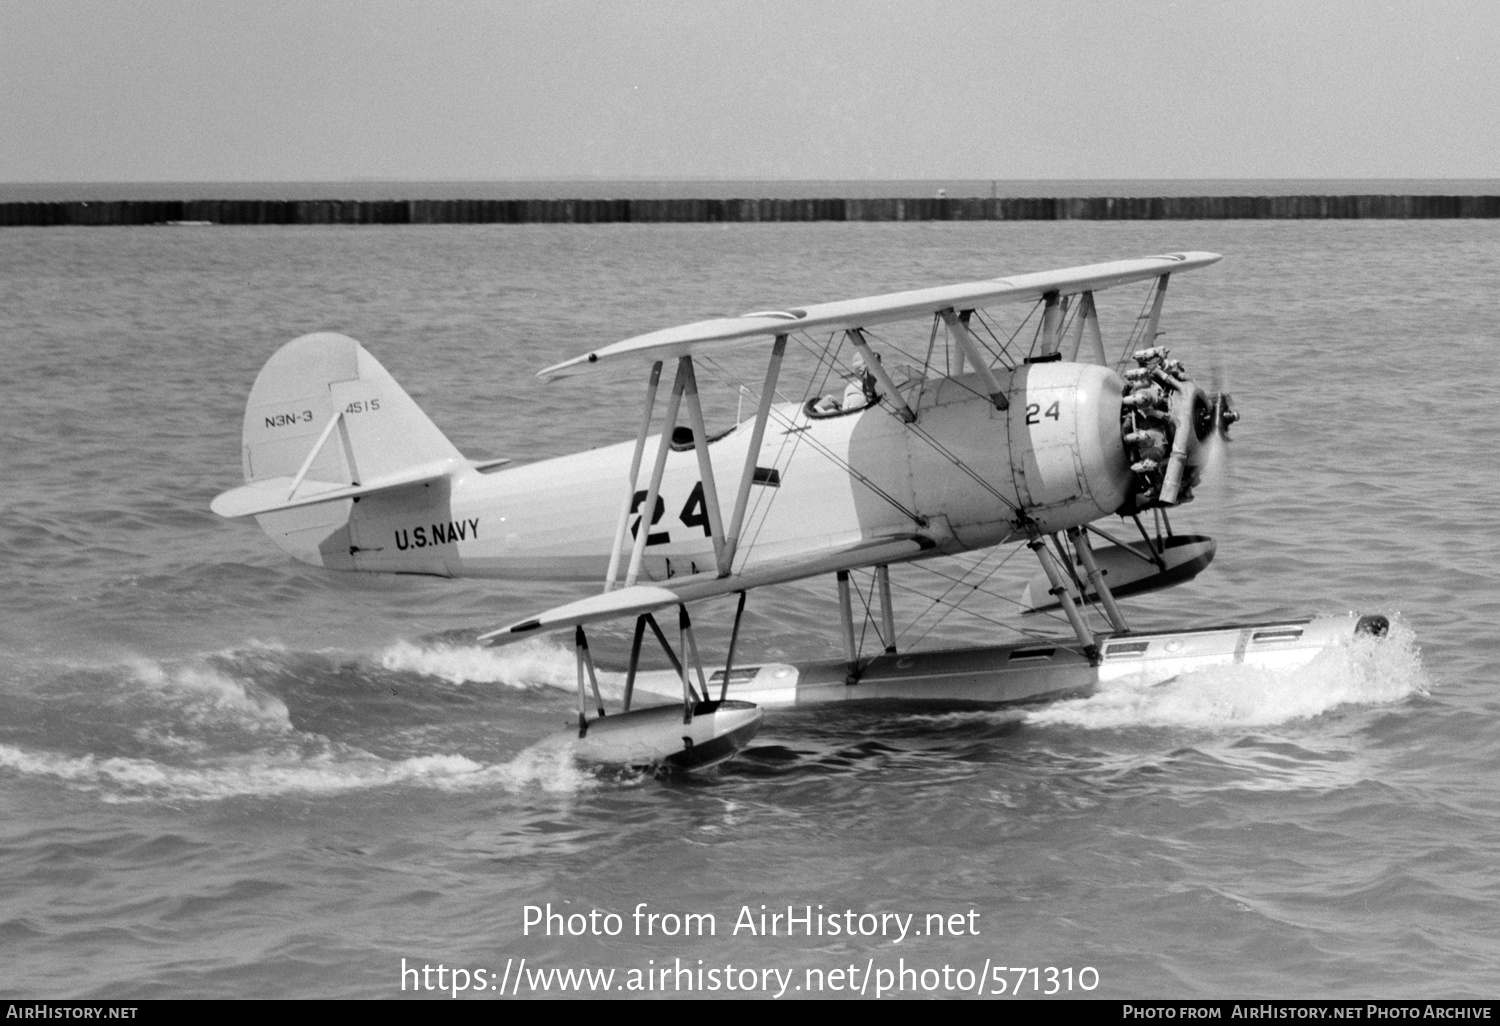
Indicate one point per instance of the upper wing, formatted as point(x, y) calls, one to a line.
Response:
point(644, 598)
point(730, 332)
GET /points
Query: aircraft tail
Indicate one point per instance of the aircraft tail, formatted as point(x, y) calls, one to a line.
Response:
point(326, 425)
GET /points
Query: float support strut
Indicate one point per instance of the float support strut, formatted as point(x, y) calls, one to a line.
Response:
point(635, 657)
point(846, 620)
point(583, 716)
point(662, 638)
point(1059, 591)
point(586, 662)
point(887, 614)
point(689, 652)
point(1085, 552)
point(734, 636)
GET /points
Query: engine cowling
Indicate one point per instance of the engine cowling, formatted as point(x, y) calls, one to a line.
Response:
point(1086, 443)
point(1068, 458)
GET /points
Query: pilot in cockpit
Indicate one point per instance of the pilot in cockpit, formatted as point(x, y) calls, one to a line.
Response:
point(859, 393)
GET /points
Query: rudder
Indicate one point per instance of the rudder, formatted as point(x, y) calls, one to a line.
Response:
point(323, 393)
point(309, 381)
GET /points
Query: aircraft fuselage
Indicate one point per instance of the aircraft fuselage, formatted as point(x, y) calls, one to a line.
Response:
point(958, 477)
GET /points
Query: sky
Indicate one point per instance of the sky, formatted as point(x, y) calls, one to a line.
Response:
point(469, 90)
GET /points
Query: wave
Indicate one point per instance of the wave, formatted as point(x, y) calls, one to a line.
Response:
point(261, 720)
point(527, 665)
point(548, 766)
point(200, 693)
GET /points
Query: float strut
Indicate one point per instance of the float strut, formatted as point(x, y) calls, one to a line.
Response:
point(1096, 579)
point(588, 664)
point(846, 620)
point(583, 716)
point(1059, 591)
point(887, 614)
point(635, 658)
point(665, 647)
point(1156, 557)
point(689, 651)
point(734, 636)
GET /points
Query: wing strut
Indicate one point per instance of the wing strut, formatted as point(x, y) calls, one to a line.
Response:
point(705, 466)
point(1148, 338)
point(857, 336)
point(1085, 323)
point(635, 473)
point(960, 332)
point(685, 386)
point(752, 454)
point(653, 491)
point(1051, 321)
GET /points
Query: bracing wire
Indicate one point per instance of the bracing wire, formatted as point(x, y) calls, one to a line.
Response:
point(1138, 328)
point(826, 357)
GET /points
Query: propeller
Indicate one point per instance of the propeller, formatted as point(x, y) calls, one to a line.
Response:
point(1221, 411)
point(1162, 401)
point(1219, 416)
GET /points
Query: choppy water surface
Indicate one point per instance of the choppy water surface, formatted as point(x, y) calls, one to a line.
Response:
point(226, 774)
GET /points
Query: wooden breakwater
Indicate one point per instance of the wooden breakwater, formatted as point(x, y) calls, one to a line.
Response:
point(657, 211)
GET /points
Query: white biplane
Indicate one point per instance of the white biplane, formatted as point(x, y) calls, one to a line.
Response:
point(982, 445)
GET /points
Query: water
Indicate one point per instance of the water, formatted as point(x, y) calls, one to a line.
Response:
point(226, 774)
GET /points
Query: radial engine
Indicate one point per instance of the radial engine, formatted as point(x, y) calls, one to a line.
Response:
point(1168, 423)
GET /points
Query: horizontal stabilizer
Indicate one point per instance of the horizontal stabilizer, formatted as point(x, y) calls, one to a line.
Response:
point(646, 598)
point(278, 493)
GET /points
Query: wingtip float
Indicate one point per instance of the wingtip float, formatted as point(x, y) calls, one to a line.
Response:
point(995, 440)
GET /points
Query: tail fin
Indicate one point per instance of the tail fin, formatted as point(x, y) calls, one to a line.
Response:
point(325, 424)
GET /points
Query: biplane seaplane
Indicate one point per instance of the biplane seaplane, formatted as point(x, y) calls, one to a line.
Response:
point(994, 440)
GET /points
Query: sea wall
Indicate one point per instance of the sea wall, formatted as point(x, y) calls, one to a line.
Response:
point(601, 211)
